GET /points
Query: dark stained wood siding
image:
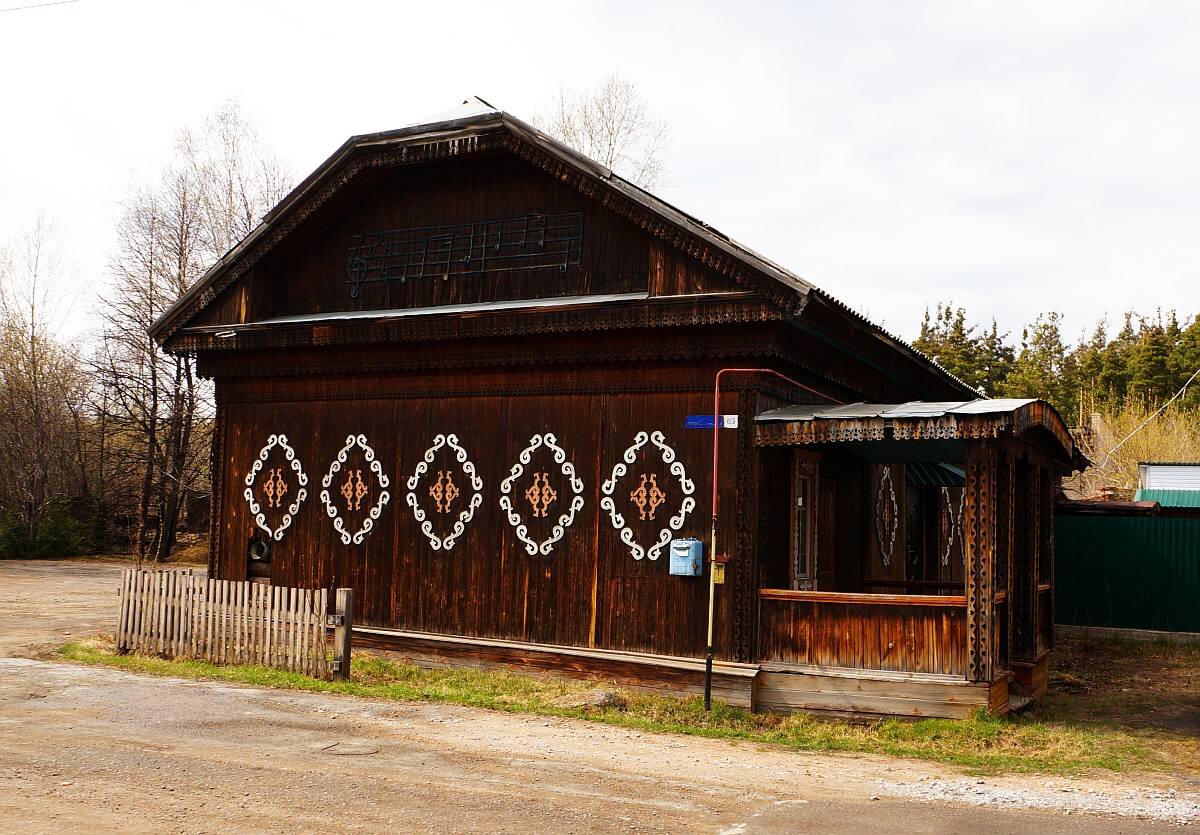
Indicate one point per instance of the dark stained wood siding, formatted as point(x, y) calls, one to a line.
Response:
point(589, 591)
point(307, 274)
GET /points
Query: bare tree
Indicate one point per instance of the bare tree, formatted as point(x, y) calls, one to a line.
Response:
point(42, 384)
point(221, 183)
point(613, 125)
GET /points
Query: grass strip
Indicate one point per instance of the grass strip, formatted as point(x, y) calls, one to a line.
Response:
point(982, 744)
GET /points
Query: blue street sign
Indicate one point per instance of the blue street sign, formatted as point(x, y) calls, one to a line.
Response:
point(706, 422)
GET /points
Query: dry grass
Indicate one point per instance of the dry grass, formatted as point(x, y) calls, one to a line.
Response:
point(1172, 436)
point(1150, 691)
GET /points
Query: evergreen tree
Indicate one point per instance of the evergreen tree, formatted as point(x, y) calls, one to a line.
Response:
point(1149, 361)
point(1042, 368)
point(982, 361)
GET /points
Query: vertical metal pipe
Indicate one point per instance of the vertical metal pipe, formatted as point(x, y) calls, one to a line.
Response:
point(712, 552)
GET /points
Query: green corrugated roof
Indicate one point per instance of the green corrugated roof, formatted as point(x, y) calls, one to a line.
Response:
point(1169, 498)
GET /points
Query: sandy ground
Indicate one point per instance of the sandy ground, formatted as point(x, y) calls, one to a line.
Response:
point(88, 749)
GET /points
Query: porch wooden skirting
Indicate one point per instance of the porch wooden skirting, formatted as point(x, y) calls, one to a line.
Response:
point(837, 691)
point(869, 654)
point(669, 675)
point(887, 632)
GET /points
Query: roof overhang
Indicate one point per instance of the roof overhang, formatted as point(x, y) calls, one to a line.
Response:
point(895, 423)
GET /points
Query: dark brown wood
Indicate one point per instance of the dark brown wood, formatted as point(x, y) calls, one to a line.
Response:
point(905, 633)
point(355, 395)
point(867, 599)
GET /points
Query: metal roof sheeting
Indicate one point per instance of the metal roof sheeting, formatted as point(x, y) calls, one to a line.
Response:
point(924, 474)
point(913, 409)
point(1169, 498)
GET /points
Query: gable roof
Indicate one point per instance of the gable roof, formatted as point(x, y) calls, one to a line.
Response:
point(464, 128)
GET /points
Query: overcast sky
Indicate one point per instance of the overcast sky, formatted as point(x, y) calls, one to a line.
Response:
point(1011, 157)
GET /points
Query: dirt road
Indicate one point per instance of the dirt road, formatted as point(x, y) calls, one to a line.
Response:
point(102, 750)
point(45, 603)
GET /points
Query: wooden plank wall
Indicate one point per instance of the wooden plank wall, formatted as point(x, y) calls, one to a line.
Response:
point(588, 591)
point(616, 256)
point(178, 614)
point(867, 632)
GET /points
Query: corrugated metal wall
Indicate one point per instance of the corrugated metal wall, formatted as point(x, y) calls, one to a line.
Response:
point(1133, 572)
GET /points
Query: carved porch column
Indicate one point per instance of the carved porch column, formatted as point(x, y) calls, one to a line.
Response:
point(980, 554)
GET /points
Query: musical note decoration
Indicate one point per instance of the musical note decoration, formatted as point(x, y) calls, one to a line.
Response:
point(532, 241)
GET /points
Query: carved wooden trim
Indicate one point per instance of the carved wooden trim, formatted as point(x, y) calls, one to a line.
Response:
point(566, 470)
point(621, 468)
point(381, 500)
point(656, 313)
point(979, 549)
point(279, 440)
point(744, 568)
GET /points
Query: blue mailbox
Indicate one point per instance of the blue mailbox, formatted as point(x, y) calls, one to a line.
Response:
point(687, 557)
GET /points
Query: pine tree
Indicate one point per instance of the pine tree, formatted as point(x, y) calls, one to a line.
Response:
point(1042, 368)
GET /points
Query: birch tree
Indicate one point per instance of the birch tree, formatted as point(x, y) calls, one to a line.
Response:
point(41, 385)
point(613, 125)
point(216, 190)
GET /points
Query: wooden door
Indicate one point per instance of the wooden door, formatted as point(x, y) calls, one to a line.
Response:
point(826, 535)
point(801, 547)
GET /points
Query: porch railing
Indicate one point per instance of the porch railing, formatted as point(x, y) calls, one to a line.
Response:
point(896, 632)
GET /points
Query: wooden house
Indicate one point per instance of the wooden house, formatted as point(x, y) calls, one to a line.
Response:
point(454, 370)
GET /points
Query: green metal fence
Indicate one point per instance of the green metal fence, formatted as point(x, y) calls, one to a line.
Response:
point(1131, 572)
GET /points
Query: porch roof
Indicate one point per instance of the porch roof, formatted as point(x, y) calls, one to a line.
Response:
point(915, 420)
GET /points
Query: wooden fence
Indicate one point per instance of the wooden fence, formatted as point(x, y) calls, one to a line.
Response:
point(180, 614)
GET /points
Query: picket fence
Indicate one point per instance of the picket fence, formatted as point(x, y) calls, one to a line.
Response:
point(179, 614)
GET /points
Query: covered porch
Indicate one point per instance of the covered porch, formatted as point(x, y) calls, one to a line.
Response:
point(905, 560)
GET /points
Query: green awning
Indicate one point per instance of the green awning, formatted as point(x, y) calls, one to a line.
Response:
point(923, 474)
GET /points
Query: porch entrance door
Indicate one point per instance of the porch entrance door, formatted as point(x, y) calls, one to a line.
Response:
point(802, 550)
point(825, 552)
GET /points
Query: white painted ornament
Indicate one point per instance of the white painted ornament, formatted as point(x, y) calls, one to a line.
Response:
point(260, 518)
point(381, 500)
point(445, 543)
point(567, 469)
point(621, 468)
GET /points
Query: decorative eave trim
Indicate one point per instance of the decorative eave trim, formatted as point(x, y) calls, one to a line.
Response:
point(664, 311)
point(1034, 415)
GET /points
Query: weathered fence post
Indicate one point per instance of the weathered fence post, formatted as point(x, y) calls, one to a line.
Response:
point(343, 622)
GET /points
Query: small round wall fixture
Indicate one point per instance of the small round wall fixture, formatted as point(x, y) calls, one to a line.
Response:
point(275, 486)
point(446, 492)
point(647, 495)
point(541, 494)
point(353, 489)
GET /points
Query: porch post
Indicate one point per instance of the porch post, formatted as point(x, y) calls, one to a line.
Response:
point(980, 553)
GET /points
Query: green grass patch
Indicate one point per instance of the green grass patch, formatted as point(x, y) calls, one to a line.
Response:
point(981, 744)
